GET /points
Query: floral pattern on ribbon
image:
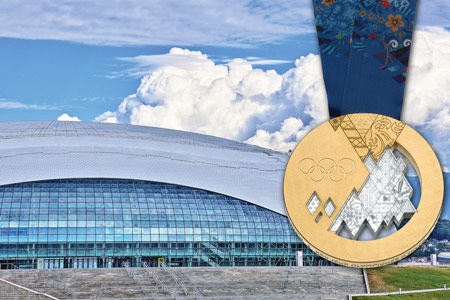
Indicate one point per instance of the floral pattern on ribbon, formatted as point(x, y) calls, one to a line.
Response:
point(334, 22)
point(383, 31)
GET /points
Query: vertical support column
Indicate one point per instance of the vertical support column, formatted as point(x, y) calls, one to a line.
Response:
point(299, 258)
point(138, 261)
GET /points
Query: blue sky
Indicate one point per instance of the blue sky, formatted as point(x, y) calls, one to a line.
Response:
point(112, 61)
point(61, 76)
point(58, 55)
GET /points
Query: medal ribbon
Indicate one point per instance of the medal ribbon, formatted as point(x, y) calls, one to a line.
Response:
point(364, 48)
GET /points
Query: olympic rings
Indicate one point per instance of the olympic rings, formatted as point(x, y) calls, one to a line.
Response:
point(327, 168)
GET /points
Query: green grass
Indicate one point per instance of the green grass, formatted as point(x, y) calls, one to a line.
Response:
point(389, 279)
point(422, 296)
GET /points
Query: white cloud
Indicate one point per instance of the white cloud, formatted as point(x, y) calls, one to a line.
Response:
point(10, 104)
point(107, 117)
point(285, 139)
point(256, 61)
point(143, 64)
point(233, 101)
point(260, 61)
point(66, 117)
point(427, 101)
point(429, 76)
point(262, 107)
point(156, 22)
point(170, 22)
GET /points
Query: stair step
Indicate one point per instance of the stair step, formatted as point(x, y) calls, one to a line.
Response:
point(219, 282)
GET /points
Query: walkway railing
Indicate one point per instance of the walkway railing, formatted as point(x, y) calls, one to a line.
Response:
point(366, 280)
point(444, 288)
point(164, 287)
point(39, 294)
point(8, 266)
point(144, 289)
point(179, 282)
point(185, 287)
point(176, 279)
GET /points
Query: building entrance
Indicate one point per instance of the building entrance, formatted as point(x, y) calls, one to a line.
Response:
point(153, 261)
point(120, 262)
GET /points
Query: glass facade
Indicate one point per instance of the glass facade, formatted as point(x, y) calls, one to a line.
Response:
point(105, 223)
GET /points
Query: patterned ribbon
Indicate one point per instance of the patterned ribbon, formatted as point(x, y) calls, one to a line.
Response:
point(365, 47)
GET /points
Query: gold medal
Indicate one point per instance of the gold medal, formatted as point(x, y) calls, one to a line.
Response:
point(345, 176)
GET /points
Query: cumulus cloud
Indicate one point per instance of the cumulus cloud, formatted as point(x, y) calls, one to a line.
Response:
point(66, 117)
point(237, 101)
point(427, 94)
point(427, 101)
point(292, 130)
point(231, 100)
point(143, 64)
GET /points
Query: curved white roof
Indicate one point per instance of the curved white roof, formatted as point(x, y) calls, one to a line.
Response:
point(43, 150)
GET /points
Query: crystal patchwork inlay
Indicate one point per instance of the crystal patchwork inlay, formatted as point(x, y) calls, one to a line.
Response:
point(313, 203)
point(319, 216)
point(383, 198)
point(329, 207)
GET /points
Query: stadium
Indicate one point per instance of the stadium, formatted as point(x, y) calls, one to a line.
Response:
point(97, 195)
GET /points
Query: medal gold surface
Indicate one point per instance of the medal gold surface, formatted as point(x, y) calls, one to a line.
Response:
point(342, 144)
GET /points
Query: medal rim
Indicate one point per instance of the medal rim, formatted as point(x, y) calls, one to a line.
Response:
point(412, 242)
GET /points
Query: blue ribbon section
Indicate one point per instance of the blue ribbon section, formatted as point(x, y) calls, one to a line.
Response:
point(372, 75)
point(334, 23)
